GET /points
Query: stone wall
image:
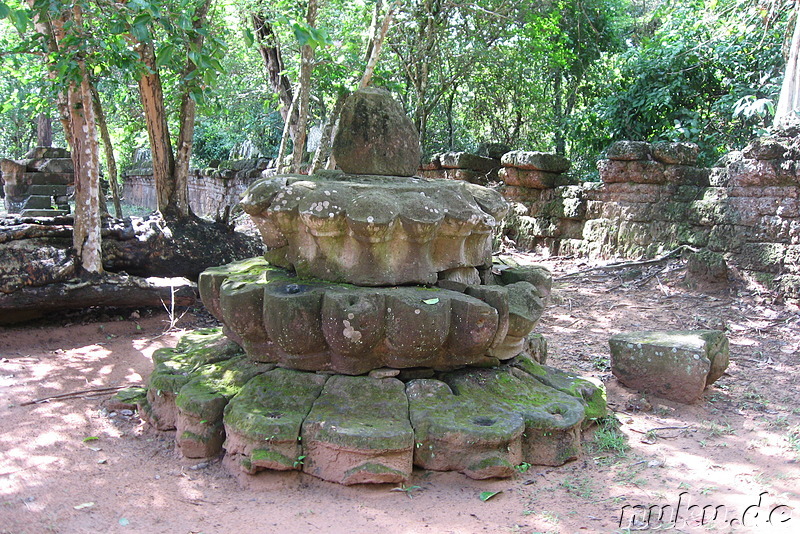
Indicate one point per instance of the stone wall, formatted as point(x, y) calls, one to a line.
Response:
point(653, 198)
point(211, 191)
point(38, 185)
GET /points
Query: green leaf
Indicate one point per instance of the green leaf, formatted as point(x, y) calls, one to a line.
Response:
point(124, 522)
point(486, 495)
point(4, 10)
point(140, 32)
point(90, 438)
point(431, 301)
point(165, 54)
point(249, 38)
point(20, 19)
point(142, 19)
point(83, 505)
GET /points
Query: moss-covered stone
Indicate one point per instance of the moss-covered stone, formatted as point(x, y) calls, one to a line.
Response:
point(263, 421)
point(357, 421)
point(552, 419)
point(174, 368)
point(462, 433)
point(674, 364)
point(592, 393)
point(201, 401)
point(353, 330)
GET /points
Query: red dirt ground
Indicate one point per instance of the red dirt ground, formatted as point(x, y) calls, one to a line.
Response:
point(739, 444)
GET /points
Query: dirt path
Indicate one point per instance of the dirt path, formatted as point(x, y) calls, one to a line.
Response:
point(741, 443)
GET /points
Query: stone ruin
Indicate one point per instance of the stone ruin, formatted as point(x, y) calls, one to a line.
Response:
point(375, 334)
point(40, 184)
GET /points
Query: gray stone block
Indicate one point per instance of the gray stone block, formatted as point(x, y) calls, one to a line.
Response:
point(676, 365)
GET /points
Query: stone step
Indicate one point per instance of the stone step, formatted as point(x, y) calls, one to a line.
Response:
point(38, 202)
point(57, 165)
point(43, 213)
point(46, 178)
point(54, 190)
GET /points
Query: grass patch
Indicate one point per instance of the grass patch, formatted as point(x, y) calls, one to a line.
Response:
point(608, 438)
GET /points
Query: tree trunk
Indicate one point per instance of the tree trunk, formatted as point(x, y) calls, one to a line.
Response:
point(306, 64)
point(187, 119)
point(323, 152)
point(376, 43)
point(270, 51)
point(111, 162)
point(85, 159)
point(786, 113)
point(279, 167)
point(44, 130)
point(155, 115)
point(560, 140)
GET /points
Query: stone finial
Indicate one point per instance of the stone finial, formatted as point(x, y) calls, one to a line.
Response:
point(375, 136)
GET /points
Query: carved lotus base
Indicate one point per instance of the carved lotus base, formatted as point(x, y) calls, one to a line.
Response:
point(374, 230)
point(311, 324)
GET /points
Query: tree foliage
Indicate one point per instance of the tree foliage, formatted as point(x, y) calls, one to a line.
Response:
point(562, 75)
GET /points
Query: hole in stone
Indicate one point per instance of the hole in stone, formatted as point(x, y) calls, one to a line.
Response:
point(293, 289)
point(483, 421)
point(274, 415)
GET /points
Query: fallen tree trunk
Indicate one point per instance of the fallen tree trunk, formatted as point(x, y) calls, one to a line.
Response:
point(39, 272)
point(112, 290)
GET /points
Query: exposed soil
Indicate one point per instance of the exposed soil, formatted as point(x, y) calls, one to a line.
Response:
point(84, 465)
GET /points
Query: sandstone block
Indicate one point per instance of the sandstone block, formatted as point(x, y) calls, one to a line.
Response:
point(676, 365)
point(201, 401)
point(538, 161)
point(379, 231)
point(465, 160)
point(765, 148)
point(532, 179)
point(173, 368)
point(263, 421)
point(628, 151)
point(675, 153)
point(358, 432)
point(375, 136)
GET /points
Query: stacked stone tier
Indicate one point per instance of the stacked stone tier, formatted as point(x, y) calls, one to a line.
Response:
point(374, 230)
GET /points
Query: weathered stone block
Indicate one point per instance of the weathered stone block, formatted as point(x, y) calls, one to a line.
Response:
point(639, 171)
point(629, 151)
point(173, 368)
point(263, 420)
point(201, 401)
point(539, 161)
point(462, 433)
point(591, 392)
point(532, 179)
point(353, 330)
point(765, 148)
point(675, 153)
point(552, 419)
point(676, 365)
point(378, 231)
point(375, 136)
point(465, 160)
point(750, 172)
point(358, 432)
point(539, 276)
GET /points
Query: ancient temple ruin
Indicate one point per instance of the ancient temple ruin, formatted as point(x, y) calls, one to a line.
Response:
point(375, 334)
point(40, 184)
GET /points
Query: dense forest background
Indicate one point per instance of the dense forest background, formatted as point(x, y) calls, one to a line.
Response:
point(570, 76)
